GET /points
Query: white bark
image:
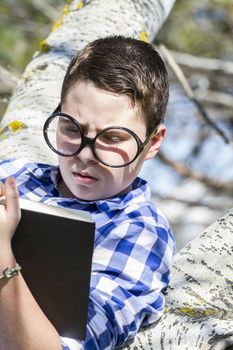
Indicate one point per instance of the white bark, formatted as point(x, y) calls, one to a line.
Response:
point(37, 93)
point(200, 299)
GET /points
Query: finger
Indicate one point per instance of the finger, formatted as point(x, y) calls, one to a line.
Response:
point(12, 198)
point(2, 189)
point(2, 194)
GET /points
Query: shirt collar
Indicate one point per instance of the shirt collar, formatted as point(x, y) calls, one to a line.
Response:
point(140, 191)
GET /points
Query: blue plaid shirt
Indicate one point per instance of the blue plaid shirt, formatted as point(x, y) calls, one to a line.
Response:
point(133, 253)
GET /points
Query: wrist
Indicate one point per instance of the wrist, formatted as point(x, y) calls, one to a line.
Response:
point(6, 254)
point(5, 245)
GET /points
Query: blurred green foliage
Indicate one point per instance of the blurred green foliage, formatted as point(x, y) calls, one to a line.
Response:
point(200, 27)
point(22, 27)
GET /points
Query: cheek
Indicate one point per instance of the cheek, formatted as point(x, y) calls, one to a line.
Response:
point(63, 164)
point(135, 167)
point(61, 161)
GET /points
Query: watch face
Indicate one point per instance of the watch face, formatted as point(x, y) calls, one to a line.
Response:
point(10, 272)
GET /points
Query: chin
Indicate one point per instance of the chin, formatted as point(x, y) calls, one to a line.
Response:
point(87, 196)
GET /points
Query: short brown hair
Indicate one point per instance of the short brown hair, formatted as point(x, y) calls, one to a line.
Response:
point(124, 66)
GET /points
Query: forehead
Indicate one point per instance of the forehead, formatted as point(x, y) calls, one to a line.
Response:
point(88, 103)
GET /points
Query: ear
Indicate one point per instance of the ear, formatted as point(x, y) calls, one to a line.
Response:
point(156, 141)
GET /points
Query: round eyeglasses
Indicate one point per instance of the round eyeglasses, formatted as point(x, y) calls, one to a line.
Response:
point(114, 146)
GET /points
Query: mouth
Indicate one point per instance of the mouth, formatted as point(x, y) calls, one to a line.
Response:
point(84, 178)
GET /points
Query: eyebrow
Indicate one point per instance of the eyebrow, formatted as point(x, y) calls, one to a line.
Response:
point(84, 126)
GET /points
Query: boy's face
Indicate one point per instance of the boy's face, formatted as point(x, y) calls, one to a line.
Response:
point(95, 109)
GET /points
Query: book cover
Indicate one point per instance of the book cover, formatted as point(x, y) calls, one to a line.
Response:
point(54, 246)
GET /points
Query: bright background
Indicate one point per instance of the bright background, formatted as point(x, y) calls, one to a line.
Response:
point(192, 180)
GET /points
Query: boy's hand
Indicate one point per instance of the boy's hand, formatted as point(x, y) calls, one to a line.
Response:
point(10, 212)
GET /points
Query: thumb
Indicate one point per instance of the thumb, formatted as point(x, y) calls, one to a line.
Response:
point(12, 198)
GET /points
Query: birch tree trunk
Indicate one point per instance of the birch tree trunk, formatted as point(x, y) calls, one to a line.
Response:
point(199, 311)
point(199, 301)
point(38, 91)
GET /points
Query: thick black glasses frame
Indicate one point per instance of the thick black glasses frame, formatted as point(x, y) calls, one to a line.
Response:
point(85, 140)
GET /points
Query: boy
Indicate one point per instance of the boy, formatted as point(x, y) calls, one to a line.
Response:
point(108, 123)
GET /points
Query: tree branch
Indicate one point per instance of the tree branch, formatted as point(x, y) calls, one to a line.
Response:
point(46, 9)
point(188, 90)
point(215, 97)
point(183, 170)
point(202, 63)
point(194, 203)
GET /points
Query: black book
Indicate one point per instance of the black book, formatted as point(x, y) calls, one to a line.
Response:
point(54, 246)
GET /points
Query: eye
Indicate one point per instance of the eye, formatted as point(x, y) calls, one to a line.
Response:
point(115, 137)
point(70, 129)
point(67, 126)
point(112, 138)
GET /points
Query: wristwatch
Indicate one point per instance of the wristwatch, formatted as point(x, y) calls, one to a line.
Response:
point(10, 272)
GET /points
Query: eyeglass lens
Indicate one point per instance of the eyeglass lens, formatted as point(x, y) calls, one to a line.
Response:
point(112, 146)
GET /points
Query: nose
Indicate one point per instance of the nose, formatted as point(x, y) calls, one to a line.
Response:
point(86, 154)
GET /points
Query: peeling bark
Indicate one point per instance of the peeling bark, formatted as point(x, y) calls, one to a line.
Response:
point(199, 301)
point(38, 91)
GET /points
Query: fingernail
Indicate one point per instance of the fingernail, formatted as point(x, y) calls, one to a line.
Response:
point(11, 181)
